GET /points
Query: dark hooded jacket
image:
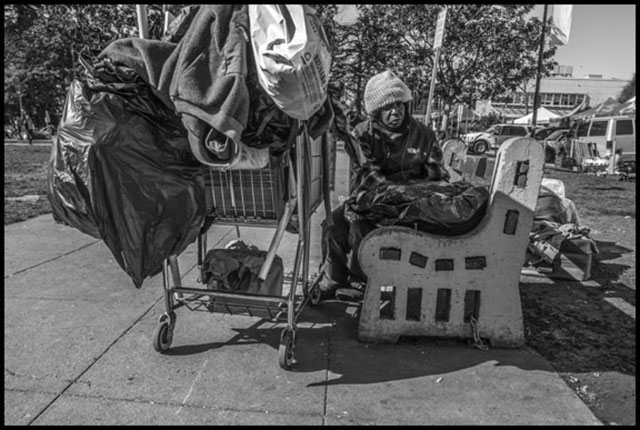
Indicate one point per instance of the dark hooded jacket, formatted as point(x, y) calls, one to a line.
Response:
point(396, 156)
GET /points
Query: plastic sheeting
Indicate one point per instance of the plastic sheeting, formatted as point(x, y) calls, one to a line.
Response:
point(448, 209)
point(121, 170)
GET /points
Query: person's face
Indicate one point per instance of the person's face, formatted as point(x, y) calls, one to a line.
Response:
point(392, 115)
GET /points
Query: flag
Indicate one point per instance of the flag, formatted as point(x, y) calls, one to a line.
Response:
point(560, 24)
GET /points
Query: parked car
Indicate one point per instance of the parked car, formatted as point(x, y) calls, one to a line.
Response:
point(544, 132)
point(596, 130)
point(493, 137)
point(553, 142)
point(538, 133)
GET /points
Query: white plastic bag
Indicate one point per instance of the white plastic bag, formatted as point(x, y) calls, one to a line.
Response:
point(292, 57)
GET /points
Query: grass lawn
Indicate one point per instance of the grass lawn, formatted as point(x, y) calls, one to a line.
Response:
point(25, 174)
point(25, 169)
point(606, 195)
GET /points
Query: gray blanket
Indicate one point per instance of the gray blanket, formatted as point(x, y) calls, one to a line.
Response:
point(203, 76)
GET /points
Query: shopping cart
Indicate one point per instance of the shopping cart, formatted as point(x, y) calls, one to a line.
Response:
point(282, 195)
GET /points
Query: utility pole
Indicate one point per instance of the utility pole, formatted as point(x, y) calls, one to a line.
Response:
point(536, 95)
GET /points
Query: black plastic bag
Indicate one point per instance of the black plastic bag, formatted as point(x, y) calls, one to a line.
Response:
point(121, 170)
point(236, 269)
point(448, 209)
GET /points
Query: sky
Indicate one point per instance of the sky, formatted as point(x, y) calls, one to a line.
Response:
point(602, 40)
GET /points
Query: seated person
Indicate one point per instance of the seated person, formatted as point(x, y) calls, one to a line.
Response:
point(394, 147)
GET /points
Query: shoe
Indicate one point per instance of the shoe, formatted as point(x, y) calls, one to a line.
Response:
point(327, 287)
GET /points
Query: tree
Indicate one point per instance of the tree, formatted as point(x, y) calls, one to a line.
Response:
point(628, 91)
point(43, 43)
point(488, 50)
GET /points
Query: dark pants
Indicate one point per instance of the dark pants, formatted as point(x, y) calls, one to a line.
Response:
point(338, 241)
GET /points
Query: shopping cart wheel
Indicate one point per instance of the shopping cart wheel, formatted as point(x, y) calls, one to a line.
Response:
point(164, 332)
point(313, 291)
point(285, 351)
point(314, 295)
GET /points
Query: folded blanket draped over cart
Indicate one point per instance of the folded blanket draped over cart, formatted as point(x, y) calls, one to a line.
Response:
point(205, 73)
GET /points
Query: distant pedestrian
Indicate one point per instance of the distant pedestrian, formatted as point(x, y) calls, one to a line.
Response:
point(28, 126)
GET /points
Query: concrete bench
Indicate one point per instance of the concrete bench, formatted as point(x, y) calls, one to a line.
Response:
point(447, 287)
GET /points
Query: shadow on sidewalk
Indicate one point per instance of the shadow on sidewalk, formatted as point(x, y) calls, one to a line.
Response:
point(355, 362)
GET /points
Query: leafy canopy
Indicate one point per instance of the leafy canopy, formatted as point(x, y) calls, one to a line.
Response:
point(628, 91)
point(42, 44)
point(487, 49)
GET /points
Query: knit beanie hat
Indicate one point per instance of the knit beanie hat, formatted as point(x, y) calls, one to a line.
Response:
point(383, 89)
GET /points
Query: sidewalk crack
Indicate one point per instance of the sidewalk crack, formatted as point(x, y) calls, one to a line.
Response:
point(51, 259)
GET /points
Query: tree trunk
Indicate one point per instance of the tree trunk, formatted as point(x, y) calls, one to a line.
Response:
point(73, 64)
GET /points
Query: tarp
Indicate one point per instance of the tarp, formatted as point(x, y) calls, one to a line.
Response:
point(544, 115)
point(605, 108)
point(565, 119)
point(626, 108)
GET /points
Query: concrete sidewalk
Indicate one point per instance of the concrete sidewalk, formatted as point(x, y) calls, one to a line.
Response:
point(78, 351)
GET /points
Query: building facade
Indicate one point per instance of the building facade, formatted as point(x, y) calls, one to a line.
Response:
point(559, 93)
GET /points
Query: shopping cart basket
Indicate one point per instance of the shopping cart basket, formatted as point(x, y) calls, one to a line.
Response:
point(282, 195)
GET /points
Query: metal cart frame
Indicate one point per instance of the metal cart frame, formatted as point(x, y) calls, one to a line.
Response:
point(269, 307)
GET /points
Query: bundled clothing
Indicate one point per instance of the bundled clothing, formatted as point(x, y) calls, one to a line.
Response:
point(436, 207)
point(556, 225)
point(202, 76)
point(202, 70)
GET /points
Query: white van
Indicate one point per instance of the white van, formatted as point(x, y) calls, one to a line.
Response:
point(621, 128)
